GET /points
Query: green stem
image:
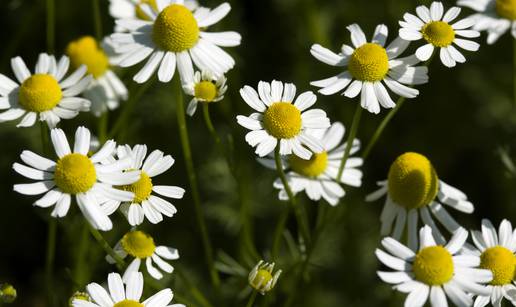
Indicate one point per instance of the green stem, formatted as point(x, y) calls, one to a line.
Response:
point(211, 128)
point(82, 250)
point(514, 68)
point(97, 21)
point(120, 264)
point(351, 138)
point(51, 23)
point(252, 298)
point(103, 126)
point(192, 178)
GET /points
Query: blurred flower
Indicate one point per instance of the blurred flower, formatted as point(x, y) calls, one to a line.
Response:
point(205, 88)
point(368, 65)
point(7, 293)
point(141, 246)
point(44, 93)
point(76, 174)
point(433, 26)
point(317, 176)
point(434, 271)
point(174, 37)
point(83, 296)
point(412, 187)
point(280, 122)
point(127, 295)
point(494, 16)
point(261, 278)
point(106, 89)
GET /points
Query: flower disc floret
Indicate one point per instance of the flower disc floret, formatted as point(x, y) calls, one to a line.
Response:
point(205, 91)
point(175, 29)
point(501, 262)
point(86, 51)
point(309, 168)
point(142, 188)
point(438, 33)
point(433, 265)
point(40, 93)
point(138, 244)
point(369, 62)
point(75, 173)
point(128, 303)
point(282, 120)
point(506, 9)
point(261, 279)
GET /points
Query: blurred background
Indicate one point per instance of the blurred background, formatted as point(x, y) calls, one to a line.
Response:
point(463, 121)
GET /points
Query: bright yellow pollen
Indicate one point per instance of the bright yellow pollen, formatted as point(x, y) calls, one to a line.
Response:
point(506, 9)
point(138, 10)
point(433, 265)
point(369, 63)
point(86, 51)
point(412, 181)
point(128, 303)
point(206, 91)
point(502, 262)
point(261, 279)
point(438, 33)
point(138, 244)
point(175, 29)
point(309, 168)
point(142, 188)
point(282, 120)
point(40, 93)
point(75, 173)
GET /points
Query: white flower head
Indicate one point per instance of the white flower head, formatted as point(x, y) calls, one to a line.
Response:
point(413, 190)
point(433, 26)
point(76, 174)
point(261, 278)
point(175, 36)
point(368, 66)
point(318, 176)
point(205, 87)
point(46, 94)
point(281, 120)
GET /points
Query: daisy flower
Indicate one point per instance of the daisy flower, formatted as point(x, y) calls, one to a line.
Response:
point(280, 121)
point(261, 278)
point(128, 294)
point(433, 26)
point(368, 66)
point(413, 189)
point(45, 94)
point(131, 9)
point(144, 204)
point(494, 16)
point(206, 88)
point(76, 174)
point(106, 90)
point(175, 36)
point(434, 271)
point(318, 176)
point(497, 254)
point(141, 246)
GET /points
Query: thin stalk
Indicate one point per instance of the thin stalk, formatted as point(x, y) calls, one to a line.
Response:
point(351, 138)
point(120, 264)
point(192, 178)
point(514, 69)
point(103, 122)
point(252, 298)
point(82, 250)
point(51, 24)
point(97, 21)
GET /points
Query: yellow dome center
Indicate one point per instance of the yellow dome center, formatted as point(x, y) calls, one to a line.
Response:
point(138, 244)
point(501, 262)
point(282, 120)
point(142, 188)
point(309, 168)
point(86, 51)
point(139, 12)
point(261, 279)
point(40, 93)
point(205, 91)
point(175, 29)
point(506, 9)
point(412, 181)
point(438, 33)
point(75, 173)
point(128, 303)
point(369, 63)
point(433, 265)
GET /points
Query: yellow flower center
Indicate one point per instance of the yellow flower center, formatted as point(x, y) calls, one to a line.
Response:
point(309, 168)
point(206, 91)
point(506, 9)
point(142, 188)
point(75, 173)
point(128, 303)
point(175, 29)
point(412, 181)
point(86, 51)
point(40, 93)
point(139, 12)
point(438, 33)
point(502, 262)
point(433, 265)
point(261, 279)
point(282, 120)
point(138, 244)
point(369, 63)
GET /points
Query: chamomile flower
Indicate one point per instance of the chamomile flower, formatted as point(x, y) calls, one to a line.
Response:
point(106, 90)
point(130, 9)
point(141, 247)
point(261, 278)
point(205, 87)
point(126, 294)
point(413, 191)
point(368, 66)
point(433, 26)
point(76, 174)
point(434, 271)
point(318, 176)
point(175, 36)
point(281, 121)
point(494, 16)
point(46, 94)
